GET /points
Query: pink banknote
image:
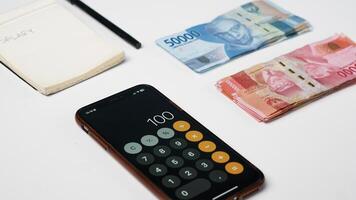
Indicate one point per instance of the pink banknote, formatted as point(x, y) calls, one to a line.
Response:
point(330, 62)
point(271, 89)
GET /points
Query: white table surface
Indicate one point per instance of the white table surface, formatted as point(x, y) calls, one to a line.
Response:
point(307, 154)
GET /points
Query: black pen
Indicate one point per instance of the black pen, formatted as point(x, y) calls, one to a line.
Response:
point(118, 31)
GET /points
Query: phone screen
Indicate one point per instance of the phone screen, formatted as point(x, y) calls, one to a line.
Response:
point(127, 117)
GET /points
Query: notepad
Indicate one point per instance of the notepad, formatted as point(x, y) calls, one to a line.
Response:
point(51, 49)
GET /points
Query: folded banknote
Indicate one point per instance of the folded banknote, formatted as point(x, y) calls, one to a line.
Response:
point(247, 28)
point(271, 89)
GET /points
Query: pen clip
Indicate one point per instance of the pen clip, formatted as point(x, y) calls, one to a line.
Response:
point(72, 1)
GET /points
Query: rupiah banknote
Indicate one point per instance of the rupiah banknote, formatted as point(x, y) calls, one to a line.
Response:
point(272, 88)
point(242, 30)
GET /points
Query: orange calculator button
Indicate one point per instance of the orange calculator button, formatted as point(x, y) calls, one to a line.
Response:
point(234, 168)
point(181, 126)
point(220, 157)
point(207, 146)
point(194, 136)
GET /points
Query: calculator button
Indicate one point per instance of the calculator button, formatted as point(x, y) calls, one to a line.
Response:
point(145, 158)
point(204, 165)
point(165, 133)
point(174, 162)
point(220, 157)
point(161, 151)
point(193, 189)
point(194, 136)
point(149, 140)
point(207, 146)
point(234, 168)
point(171, 181)
point(191, 154)
point(133, 148)
point(178, 143)
point(188, 173)
point(181, 126)
point(218, 176)
point(157, 170)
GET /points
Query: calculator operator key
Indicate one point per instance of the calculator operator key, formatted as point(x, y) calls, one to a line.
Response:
point(133, 148)
point(194, 136)
point(220, 157)
point(181, 126)
point(165, 133)
point(207, 146)
point(149, 140)
point(234, 168)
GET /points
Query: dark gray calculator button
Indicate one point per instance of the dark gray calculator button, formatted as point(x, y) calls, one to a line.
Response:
point(191, 154)
point(174, 162)
point(188, 173)
point(193, 189)
point(161, 151)
point(165, 133)
point(145, 158)
point(149, 140)
point(204, 165)
point(218, 176)
point(158, 170)
point(178, 143)
point(133, 148)
point(171, 181)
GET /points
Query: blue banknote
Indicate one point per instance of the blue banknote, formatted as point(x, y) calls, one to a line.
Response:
point(245, 29)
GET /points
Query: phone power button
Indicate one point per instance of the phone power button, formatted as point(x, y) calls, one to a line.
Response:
point(85, 129)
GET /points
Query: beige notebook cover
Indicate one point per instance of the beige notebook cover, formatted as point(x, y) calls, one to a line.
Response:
point(49, 48)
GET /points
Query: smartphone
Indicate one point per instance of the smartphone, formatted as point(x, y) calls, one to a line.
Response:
point(174, 155)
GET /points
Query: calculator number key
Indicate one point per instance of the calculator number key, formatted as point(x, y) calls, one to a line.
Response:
point(174, 162)
point(171, 181)
point(178, 143)
point(191, 154)
point(188, 173)
point(158, 170)
point(193, 189)
point(161, 151)
point(204, 165)
point(145, 159)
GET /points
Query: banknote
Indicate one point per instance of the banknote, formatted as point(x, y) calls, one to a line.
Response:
point(270, 89)
point(245, 29)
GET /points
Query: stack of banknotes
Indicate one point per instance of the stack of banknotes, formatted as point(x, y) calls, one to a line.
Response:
point(247, 28)
point(271, 89)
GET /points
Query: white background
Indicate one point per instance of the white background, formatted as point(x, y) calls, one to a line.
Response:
point(307, 154)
